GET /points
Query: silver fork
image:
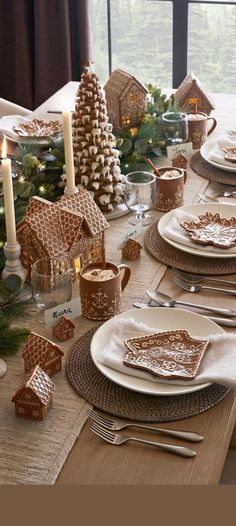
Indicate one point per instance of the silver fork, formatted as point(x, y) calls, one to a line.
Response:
point(196, 278)
point(115, 425)
point(116, 440)
point(197, 288)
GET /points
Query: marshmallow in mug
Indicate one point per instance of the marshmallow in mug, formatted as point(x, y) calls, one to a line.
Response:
point(98, 274)
point(170, 174)
point(196, 117)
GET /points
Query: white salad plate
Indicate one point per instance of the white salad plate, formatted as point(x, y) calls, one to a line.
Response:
point(206, 150)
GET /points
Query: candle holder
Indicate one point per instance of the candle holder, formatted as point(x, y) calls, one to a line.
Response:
point(68, 192)
point(13, 264)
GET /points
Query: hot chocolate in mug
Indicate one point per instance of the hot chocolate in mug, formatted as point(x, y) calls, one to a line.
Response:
point(101, 289)
point(170, 188)
point(198, 130)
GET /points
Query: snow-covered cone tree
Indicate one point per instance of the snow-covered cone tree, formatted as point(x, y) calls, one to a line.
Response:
point(97, 164)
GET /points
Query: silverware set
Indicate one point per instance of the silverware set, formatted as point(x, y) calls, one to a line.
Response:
point(105, 428)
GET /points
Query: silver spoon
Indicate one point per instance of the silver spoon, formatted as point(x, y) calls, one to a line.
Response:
point(167, 301)
point(195, 278)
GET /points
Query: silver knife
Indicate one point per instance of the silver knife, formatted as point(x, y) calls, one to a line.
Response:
point(221, 321)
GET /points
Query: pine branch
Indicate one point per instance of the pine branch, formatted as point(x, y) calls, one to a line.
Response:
point(11, 338)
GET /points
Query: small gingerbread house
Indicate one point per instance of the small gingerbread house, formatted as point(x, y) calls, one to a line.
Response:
point(191, 88)
point(131, 250)
point(64, 329)
point(74, 226)
point(41, 351)
point(180, 161)
point(34, 396)
point(126, 99)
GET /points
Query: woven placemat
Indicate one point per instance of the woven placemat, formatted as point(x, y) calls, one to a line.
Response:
point(118, 401)
point(171, 256)
point(208, 171)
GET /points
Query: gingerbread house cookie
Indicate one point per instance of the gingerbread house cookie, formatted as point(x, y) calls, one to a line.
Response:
point(180, 161)
point(41, 351)
point(131, 250)
point(64, 329)
point(33, 397)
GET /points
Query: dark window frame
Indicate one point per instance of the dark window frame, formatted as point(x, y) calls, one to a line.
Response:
point(179, 33)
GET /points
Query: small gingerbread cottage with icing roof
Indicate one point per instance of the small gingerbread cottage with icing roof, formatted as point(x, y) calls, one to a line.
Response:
point(191, 88)
point(74, 226)
point(41, 351)
point(34, 396)
point(126, 99)
point(64, 329)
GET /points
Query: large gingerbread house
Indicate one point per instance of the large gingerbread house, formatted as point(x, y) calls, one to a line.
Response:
point(126, 99)
point(191, 88)
point(74, 226)
point(41, 351)
point(34, 396)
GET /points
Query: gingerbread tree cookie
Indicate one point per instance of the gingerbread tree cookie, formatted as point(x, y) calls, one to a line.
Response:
point(97, 161)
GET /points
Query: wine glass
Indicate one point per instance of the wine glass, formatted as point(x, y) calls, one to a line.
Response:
point(51, 283)
point(175, 127)
point(140, 196)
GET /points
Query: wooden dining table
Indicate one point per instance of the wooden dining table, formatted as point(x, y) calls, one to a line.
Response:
point(94, 462)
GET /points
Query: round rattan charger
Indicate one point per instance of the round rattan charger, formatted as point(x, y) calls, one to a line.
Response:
point(210, 172)
point(111, 398)
point(173, 257)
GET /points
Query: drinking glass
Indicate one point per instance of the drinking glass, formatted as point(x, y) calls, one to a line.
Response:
point(175, 127)
point(51, 283)
point(140, 195)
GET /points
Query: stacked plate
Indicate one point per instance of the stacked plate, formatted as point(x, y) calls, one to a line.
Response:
point(18, 128)
point(161, 320)
point(172, 232)
point(213, 153)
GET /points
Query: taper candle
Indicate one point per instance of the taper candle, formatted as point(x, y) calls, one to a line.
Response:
point(68, 145)
point(8, 201)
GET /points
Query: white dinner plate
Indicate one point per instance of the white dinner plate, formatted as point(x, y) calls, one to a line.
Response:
point(225, 209)
point(163, 319)
point(205, 150)
point(8, 122)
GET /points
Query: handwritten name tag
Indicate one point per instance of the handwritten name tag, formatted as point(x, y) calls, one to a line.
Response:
point(133, 233)
point(71, 309)
point(186, 148)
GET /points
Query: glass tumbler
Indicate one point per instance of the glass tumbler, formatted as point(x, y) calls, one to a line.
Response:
point(140, 196)
point(175, 127)
point(51, 283)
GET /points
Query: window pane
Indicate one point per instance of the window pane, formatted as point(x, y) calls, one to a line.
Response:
point(142, 39)
point(98, 13)
point(211, 46)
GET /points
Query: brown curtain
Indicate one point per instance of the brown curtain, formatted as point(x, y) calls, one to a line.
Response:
point(43, 45)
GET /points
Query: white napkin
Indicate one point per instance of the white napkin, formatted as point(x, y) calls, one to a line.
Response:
point(173, 230)
point(218, 364)
point(216, 154)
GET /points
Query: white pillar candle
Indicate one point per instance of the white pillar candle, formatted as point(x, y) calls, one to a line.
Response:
point(69, 156)
point(9, 202)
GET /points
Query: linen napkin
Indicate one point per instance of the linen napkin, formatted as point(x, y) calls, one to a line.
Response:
point(218, 364)
point(216, 154)
point(173, 230)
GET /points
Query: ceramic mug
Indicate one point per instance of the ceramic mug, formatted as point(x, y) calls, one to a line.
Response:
point(198, 130)
point(170, 188)
point(101, 290)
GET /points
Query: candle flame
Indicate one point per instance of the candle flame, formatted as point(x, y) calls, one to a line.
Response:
point(4, 148)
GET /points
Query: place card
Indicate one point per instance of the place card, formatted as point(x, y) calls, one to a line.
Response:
point(133, 233)
point(71, 309)
point(185, 148)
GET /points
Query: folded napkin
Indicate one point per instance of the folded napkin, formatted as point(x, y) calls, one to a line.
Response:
point(216, 154)
point(218, 364)
point(173, 230)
